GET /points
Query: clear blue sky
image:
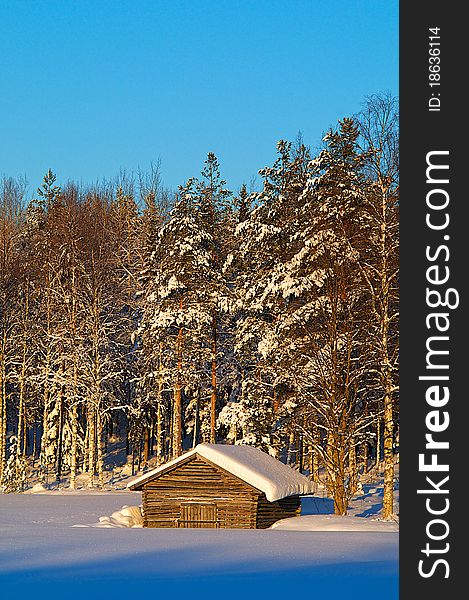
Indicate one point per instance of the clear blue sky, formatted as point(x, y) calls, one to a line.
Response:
point(88, 87)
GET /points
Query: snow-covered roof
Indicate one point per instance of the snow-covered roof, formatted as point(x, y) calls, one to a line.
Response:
point(253, 466)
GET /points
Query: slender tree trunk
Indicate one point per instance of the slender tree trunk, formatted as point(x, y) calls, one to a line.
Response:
point(20, 433)
point(339, 491)
point(388, 433)
point(146, 445)
point(60, 436)
point(365, 456)
point(387, 375)
point(86, 443)
point(388, 495)
point(291, 454)
point(213, 397)
point(378, 443)
point(140, 454)
point(45, 441)
point(397, 443)
point(99, 449)
point(74, 390)
point(329, 462)
point(353, 468)
point(300, 452)
point(91, 420)
point(177, 421)
point(73, 450)
point(159, 434)
point(34, 451)
point(127, 438)
point(195, 438)
point(22, 385)
point(3, 415)
point(316, 455)
point(159, 410)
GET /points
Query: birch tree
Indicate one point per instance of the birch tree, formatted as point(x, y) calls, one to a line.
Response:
point(11, 197)
point(378, 124)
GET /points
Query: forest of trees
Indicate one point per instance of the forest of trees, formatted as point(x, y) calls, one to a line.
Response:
point(265, 317)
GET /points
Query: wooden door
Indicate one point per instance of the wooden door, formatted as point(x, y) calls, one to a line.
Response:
point(197, 514)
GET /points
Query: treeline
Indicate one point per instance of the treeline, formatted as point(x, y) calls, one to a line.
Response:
point(265, 317)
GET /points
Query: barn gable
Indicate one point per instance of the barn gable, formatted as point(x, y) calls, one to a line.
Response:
point(251, 465)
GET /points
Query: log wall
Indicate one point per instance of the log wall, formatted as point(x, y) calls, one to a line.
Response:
point(270, 512)
point(199, 481)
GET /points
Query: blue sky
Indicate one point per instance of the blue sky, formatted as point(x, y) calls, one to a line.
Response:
point(88, 87)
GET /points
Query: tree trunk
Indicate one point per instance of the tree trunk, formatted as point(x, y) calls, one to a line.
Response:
point(3, 416)
point(146, 445)
point(127, 438)
point(159, 433)
point(159, 409)
point(74, 419)
point(91, 419)
point(34, 452)
point(329, 465)
point(316, 455)
point(195, 438)
point(177, 420)
point(60, 436)
point(74, 448)
point(365, 456)
point(335, 466)
point(47, 385)
point(213, 397)
point(291, 454)
point(339, 491)
point(378, 443)
point(353, 468)
point(99, 449)
point(22, 385)
point(300, 452)
point(388, 495)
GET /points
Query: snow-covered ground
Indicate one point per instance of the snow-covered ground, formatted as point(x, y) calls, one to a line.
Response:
point(43, 555)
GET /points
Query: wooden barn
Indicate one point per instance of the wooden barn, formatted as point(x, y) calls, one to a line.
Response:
point(216, 485)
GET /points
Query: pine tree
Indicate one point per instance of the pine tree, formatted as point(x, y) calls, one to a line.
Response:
point(265, 245)
point(14, 479)
point(314, 346)
point(214, 213)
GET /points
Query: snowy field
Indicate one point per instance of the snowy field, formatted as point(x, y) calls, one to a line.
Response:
point(42, 555)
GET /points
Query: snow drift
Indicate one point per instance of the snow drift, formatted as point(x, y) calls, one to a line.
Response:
point(127, 516)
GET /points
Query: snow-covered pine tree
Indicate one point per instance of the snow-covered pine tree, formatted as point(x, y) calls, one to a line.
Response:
point(43, 213)
point(168, 313)
point(182, 295)
point(214, 212)
point(151, 402)
point(341, 359)
point(15, 474)
point(265, 244)
point(316, 344)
